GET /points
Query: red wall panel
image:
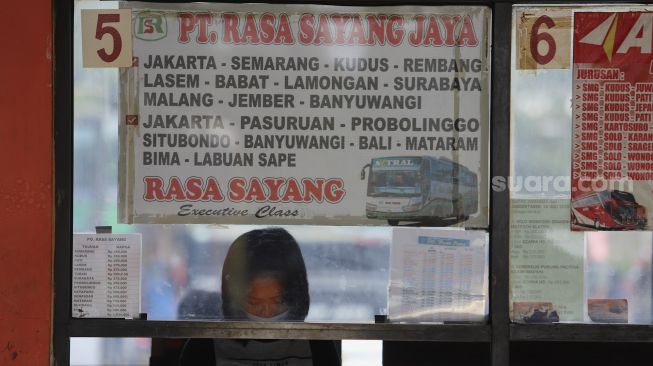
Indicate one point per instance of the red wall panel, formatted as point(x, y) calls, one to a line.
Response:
point(26, 181)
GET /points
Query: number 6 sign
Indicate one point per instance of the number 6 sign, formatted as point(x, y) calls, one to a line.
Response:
point(543, 37)
point(107, 38)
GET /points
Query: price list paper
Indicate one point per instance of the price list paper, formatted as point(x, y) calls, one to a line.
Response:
point(438, 275)
point(612, 168)
point(106, 275)
point(282, 114)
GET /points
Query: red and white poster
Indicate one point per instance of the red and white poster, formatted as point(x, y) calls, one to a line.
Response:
point(612, 163)
point(303, 114)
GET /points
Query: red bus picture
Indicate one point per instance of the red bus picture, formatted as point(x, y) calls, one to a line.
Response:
point(610, 210)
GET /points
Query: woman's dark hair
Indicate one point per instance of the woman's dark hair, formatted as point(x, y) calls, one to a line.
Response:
point(265, 252)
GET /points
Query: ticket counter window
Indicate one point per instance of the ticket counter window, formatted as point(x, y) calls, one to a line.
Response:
point(347, 267)
point(579, 275)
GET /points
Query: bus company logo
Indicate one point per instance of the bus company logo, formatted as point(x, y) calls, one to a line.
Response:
point(150, 26)
point(387, 163)
point(639, 36)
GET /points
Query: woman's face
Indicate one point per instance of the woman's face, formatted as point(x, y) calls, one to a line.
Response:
point(265, 297)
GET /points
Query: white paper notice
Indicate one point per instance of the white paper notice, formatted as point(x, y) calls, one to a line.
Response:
point(438, 275)
point(106, 275)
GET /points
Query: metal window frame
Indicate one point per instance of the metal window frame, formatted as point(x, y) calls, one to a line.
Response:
point(498, 332)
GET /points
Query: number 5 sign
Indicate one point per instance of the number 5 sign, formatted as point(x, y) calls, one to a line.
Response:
point(543, 38)
point(107, 38)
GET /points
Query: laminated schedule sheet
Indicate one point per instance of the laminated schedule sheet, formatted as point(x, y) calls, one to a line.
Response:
point(438, 275)
point(106, 275)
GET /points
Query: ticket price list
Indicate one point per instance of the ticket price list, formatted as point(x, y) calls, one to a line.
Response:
point(444, 277)
point(390, 95)
point(613, 131)
point(106, 276)
point(437, 282)
point(437, 276)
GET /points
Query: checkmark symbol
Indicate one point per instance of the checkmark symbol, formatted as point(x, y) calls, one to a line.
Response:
point(131, 119)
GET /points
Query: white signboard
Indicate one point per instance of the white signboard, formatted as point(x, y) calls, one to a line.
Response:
point(106, 275)
point(306, 114)
point(438, 275)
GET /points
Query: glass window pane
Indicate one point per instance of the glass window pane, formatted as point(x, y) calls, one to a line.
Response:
point(110, 351)
point(619, 267)
point(347, 267)
point(555, 270)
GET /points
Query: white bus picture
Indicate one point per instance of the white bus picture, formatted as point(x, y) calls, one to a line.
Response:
point(435, 191)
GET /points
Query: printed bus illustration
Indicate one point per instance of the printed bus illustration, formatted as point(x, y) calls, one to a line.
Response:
point(610, 209)
point(420, 188)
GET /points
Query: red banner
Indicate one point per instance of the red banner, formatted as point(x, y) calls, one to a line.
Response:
point(612, 165)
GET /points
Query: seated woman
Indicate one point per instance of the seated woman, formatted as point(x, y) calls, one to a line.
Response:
point(263, 279)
